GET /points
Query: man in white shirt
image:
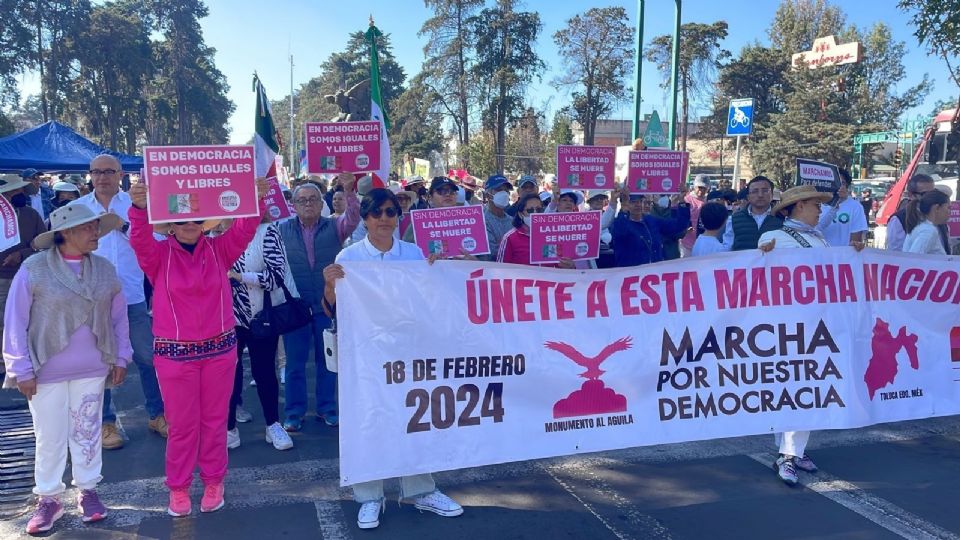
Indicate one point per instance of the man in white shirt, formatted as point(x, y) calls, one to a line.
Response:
point(845, 222)
point(106, 172)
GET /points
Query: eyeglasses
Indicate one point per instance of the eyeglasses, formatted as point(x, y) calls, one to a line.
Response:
point(102, 172)
point(195, 222)
point(390, 211)
point(759, 191)
point(306, 201)
point(445, 190)
point(534, 210)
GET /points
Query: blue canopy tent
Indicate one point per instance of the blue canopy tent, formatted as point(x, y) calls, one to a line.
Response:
point(53, 147)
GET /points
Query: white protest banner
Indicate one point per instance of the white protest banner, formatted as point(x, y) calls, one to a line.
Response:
point(466, 363)
point(10, 235)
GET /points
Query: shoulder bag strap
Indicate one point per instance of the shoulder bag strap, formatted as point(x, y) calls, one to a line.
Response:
point(797, 236)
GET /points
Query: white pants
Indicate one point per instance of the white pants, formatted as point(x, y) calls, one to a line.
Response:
point(410, 486)
point(792, 443)
point(66, 414)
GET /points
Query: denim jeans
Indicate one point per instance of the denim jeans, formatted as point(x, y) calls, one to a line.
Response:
point(410, 486)
point(141, 337)
point(297, 345)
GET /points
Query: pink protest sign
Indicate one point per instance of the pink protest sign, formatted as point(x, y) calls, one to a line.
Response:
point(450, 231)
point(10, 235)
point(569, 235)
point(586, 167)
point(274, 201)
point(653, 172)
point(336, 147)
point(192, 183)
point(954, 223)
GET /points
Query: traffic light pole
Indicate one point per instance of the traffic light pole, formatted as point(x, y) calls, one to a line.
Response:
point(673, 79)
point(638, 72)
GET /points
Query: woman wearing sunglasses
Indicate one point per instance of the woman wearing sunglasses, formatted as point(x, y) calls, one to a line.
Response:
point(195, 342)
point(381, 212)
point(515, 245)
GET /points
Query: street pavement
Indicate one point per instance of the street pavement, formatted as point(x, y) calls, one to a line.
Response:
point(888, 481)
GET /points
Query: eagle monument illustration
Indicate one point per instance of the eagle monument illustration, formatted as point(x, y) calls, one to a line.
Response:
point(593, 397)
point(592, 364)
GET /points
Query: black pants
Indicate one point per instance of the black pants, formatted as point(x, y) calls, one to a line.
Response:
point(263, 365)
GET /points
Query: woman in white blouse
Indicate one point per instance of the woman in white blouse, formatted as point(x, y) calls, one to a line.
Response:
point(924, 217)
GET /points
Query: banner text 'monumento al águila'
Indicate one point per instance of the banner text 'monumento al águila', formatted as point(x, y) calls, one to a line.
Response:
point(476, 363)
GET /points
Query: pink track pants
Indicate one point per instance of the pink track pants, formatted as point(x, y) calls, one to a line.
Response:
point(196, 398)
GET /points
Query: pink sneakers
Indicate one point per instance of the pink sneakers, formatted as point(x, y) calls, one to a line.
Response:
point(179, 503)
point(212, 498)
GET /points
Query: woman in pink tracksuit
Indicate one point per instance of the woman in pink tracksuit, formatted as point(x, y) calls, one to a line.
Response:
point(195, 343)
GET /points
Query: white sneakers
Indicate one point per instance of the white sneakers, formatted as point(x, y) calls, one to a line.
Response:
point(233, 438)
point(436, 502)
point(439, 504)
point(369, 516)
point(243, 416)
point(278, 436)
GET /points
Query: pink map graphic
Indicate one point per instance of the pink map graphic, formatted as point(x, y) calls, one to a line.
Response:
point(882, 369)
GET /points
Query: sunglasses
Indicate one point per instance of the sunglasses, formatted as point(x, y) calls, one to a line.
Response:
point(390, 211)
point(537, 210)
point(197, 222)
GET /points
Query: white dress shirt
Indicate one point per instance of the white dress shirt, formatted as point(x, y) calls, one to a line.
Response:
point(115, 246)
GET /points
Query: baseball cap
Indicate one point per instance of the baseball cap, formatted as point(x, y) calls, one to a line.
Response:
point(525, 179)
point(496, 181)
point(29, 173)
point(700, 181)
point(440, 181)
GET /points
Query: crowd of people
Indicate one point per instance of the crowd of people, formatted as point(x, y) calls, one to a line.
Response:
point(93, 287)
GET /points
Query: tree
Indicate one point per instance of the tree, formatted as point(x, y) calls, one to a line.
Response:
point(561, 132)
point(823, 108)
point(449, 57)
point(341, 70)
point(416, 121)
point(937, 25)
point(115, 63)
point(797, 23)
point(188, 101)
point(597, 51)
point(56, 25)
point(758, 72)
point(700, 58)
point(525, 143)
point(506, 63)
point(15, 49)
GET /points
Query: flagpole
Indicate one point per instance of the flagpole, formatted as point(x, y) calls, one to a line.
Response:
point(290, 143)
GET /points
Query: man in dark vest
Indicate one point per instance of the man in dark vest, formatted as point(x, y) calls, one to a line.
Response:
point(745, 226)
point(312, 242)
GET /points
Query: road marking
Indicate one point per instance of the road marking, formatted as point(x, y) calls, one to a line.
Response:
point(568, 489)
point(317, 480)
point(878, 510)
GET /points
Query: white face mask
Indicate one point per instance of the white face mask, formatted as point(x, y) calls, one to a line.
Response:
point(526, 220)
point(501, 199)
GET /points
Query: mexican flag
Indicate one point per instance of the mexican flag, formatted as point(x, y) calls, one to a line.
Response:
point(377, 110)
point(266, 141)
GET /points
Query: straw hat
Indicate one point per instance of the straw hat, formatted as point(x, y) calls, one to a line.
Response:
point(801, 193)
point(73, 215)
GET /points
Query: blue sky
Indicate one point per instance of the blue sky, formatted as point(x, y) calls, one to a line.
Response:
point(256, 35)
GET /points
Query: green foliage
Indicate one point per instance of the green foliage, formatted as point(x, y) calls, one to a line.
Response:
point(597, 52)
point(341, 70)
point(416, 121)
point(937, 25)
point(15, 50)
point(448, 60)
point(526, 145)
point(814, 113)
point(506, 63)
point(700, 57)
